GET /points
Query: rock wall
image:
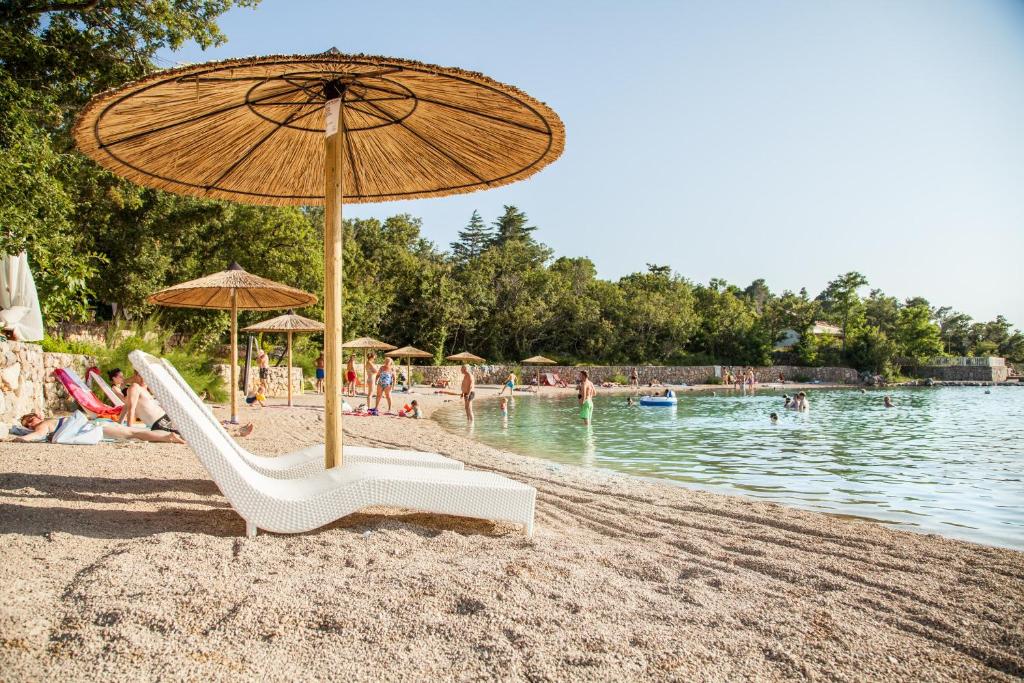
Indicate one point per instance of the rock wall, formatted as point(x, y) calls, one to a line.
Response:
point(27, 383)
point(277, 386)
point(961, 373)
point(666, 374)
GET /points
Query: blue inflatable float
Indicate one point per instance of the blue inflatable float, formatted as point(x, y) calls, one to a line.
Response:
point(657, 400)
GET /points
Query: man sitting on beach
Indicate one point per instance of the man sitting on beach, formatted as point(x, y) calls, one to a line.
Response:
point(468, 391)
point(141, 405)
point(42, 429)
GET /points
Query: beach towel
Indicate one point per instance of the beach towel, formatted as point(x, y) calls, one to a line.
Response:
point(77, 389)
point(77, 430)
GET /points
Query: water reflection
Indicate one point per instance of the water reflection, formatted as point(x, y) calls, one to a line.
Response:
point(944, 460)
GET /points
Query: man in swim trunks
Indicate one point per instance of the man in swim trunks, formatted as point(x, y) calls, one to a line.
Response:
point(141, 405)
point(634, 379)
point(43, 430)
point(264, 362)
point(586, 397)
point(468, 391)
point(320, 373)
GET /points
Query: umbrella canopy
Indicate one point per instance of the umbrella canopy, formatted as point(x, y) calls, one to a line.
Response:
point(409, 352)
point(221, 290)
point(367, 343)
point(290, 324)
point(252, 130)
point(539, 360)
point(232, 289)
point(465, 357)
point(312, 129)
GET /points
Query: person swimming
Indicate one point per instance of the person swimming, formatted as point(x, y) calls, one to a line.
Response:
point(774, 417)
point(888, 402)
point(788, 401)
point(629, 401)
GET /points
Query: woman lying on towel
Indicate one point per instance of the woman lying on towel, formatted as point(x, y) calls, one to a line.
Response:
point(42, 429)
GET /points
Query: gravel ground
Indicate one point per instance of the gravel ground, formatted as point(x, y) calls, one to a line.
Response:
point(124, 562)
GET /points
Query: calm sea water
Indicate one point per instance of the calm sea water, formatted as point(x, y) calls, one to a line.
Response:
point(945, 460)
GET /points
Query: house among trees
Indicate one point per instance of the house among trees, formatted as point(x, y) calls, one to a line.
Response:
point(790, 337)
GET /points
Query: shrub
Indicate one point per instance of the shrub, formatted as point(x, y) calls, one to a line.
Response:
point(713, 380)
point(58, 345)
point(801, 379)
point(619, 378)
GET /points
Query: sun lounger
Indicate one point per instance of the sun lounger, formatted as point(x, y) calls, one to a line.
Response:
point(297, 505)
point(83, 396)
point(93, 375)
point(310, 460)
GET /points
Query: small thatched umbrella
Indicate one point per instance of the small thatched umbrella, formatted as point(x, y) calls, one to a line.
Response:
point(409, 352)
point(367, 344)
point(539, 360)
point(320, 129)
point(465, 357)
point(290, 323)
point(233, 289)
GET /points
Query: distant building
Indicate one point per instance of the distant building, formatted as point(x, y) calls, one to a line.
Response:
point(791, 337)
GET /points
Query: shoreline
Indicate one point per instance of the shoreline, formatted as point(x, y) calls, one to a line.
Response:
point(124, 561)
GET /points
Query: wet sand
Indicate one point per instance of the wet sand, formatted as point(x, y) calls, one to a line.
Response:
point(124, 562)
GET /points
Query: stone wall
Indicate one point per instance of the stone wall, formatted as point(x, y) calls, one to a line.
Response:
point(27, 383)
point(666, 374)
point(277, 386)
point(961, 373)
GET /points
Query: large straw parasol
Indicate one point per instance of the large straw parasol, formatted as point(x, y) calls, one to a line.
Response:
point(233, 289)
point(409, 352)
point(319, 129)
point(289, 323)
point(538, 360)
point(465, 357)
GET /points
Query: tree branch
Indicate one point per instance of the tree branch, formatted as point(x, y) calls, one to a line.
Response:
point(84, 6)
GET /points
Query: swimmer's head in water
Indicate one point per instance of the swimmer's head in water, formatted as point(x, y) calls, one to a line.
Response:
point(774, 417)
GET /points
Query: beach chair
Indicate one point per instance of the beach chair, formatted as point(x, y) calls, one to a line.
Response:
point(83, 396)
point(93, 375)
point(310, 460)
point(298, 505)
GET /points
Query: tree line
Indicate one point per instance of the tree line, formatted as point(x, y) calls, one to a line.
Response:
point(100, 245)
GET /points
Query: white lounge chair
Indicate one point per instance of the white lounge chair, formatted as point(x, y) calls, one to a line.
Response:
point(310, 460)
point(297, 505)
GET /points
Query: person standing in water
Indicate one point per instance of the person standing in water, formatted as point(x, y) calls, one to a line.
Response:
point(586, 397)
point(634, 380)
point(888, 402)
point(468, 391)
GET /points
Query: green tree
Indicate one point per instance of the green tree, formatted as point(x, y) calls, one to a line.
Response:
point(916, 336)
point(473, 240)
point(841, 303)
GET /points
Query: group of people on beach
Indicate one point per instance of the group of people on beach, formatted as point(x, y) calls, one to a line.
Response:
point(139, 405)
point(743, 379)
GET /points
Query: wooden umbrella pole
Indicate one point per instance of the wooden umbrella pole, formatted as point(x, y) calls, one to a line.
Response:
point(234, 356)
point(289, 368)
point(334, 167)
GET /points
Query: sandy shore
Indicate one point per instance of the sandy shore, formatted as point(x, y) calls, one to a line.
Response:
point(123, 562)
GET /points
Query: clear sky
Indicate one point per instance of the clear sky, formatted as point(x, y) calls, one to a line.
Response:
point(790, 140)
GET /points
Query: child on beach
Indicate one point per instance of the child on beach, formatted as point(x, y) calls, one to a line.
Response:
point(504, 407)
point(257, 395)
point(320, 373)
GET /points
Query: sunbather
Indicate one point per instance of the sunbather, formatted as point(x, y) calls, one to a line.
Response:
point(43, 429)
point(118, 383)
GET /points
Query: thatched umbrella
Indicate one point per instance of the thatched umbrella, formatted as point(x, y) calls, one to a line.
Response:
point(290, 323)
point(409, 352)
point(465, 357)
point(367, 344)
point(538, 360)
point(233, 289)
point(250, 130)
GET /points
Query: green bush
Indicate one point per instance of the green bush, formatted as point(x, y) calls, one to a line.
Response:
point(619, 378)
point(58, 345)
point(713, 380)
point(193, 362)
point(801, 379)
